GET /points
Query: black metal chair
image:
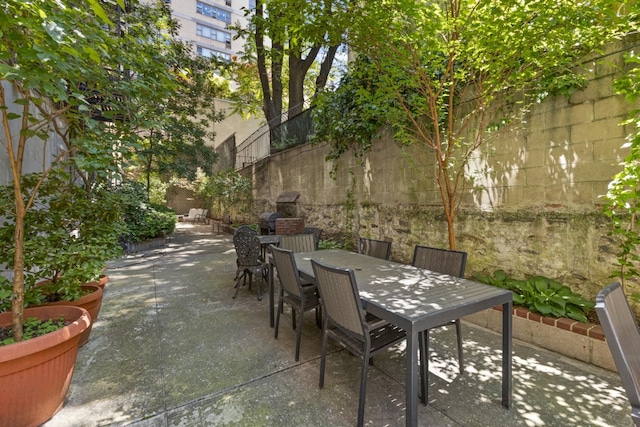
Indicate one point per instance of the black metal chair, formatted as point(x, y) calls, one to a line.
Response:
point(301, 298)
point(448, 262)
point(375, 248)
point(247, 247)
point(242, 229)
point(623, 337)
point(346, 322)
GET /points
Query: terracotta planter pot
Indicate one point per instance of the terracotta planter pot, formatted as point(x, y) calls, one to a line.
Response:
point(35, 374)
point(90, 302)
point(102, 282)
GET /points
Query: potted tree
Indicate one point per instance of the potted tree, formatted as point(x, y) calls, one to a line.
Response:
point(66, 70)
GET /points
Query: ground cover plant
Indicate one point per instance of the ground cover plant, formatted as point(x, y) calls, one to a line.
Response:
point(542, 295)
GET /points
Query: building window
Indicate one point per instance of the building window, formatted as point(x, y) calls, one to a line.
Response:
point(252, 4)
point(213, 12)
point(210, 53)
point(213, 34)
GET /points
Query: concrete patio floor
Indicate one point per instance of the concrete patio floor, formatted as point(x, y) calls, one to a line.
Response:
point(172, 348)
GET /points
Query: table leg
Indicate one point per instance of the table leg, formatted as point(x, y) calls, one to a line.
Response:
point(412, 379)
point(507, 350)
point(270, 281)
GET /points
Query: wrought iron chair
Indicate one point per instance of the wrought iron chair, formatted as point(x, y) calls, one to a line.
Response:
point(242, 229)
point(247, 247)
point(375, 248)
point(301, 298)
point(623, 337)
point(448, 262)
point(346, 322)
point(298, 242)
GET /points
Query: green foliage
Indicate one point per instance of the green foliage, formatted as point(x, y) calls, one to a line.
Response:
point(79, 82)
point(332, 244)
point(286, 41)
point(623, 194)
point(67, 240)
point(449, 73)
point(350, 116)
point(34, 327)
point(143, 220)
point(231, 190)
point(542, 295)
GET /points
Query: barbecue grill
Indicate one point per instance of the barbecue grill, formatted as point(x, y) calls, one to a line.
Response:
point(267, 222)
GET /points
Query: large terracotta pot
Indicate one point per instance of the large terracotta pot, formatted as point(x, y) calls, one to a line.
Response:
point(35, 374)
point(102, 281)
point(90, 302)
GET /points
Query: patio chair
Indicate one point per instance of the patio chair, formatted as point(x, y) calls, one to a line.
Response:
point(202, 216)
point(247, 247)
point(375, 248)
point(242, 229)
point(623, 337)
point(300, 298)
point(448, 262)
point(347, 323)
point(317, 234)
point(245, 229)
point(298, 242)
point(192, 215)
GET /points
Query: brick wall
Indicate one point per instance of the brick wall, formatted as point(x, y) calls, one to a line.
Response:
point(289, 225)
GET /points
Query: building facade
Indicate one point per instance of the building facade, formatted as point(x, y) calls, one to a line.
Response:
point(206, 24)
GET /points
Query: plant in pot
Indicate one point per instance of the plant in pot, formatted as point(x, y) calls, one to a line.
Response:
point(66, 70)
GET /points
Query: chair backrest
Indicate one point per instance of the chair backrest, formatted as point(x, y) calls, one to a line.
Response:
point(375, 248)
point(245, 229)
point(298, 242)
point(443, 261)
point(623, 337)
point(287, 271)
point(204, 213)
point(317, 233)
point(193, 212)
point(340, 298)
point(247, 247)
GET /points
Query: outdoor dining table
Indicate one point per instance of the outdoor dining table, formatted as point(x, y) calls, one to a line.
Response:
point(265, 241)
point(415, 300)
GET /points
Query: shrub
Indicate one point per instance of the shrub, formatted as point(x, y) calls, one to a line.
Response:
point(143, 219)
point(542, 295)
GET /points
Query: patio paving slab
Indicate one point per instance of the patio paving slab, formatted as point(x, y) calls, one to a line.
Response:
point(172, 348)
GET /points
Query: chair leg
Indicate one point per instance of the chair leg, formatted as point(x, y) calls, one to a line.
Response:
point(460, 354)
point(278, 313)
point(423, 340)
point(299, 334)
point(319, 316)
point(323, 355)
point(237, 287)
point(363, 387)
point(259, 286)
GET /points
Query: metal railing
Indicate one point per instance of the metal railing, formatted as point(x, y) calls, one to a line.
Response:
point(287, 133)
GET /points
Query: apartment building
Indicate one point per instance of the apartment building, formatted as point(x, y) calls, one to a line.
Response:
point(206, 25)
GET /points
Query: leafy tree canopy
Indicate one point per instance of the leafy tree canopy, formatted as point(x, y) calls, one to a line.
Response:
point(445, 74)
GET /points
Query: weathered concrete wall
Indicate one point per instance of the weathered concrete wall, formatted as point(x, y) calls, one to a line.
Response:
point(534, 208)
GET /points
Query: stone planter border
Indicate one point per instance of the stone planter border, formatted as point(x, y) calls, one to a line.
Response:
point(582, 341)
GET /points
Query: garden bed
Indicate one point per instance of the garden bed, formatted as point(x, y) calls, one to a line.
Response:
point(577, 340)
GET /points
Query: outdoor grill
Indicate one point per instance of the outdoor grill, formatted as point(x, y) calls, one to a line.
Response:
point(267, 222)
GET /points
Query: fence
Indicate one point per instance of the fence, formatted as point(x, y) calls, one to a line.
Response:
point(290, 132)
